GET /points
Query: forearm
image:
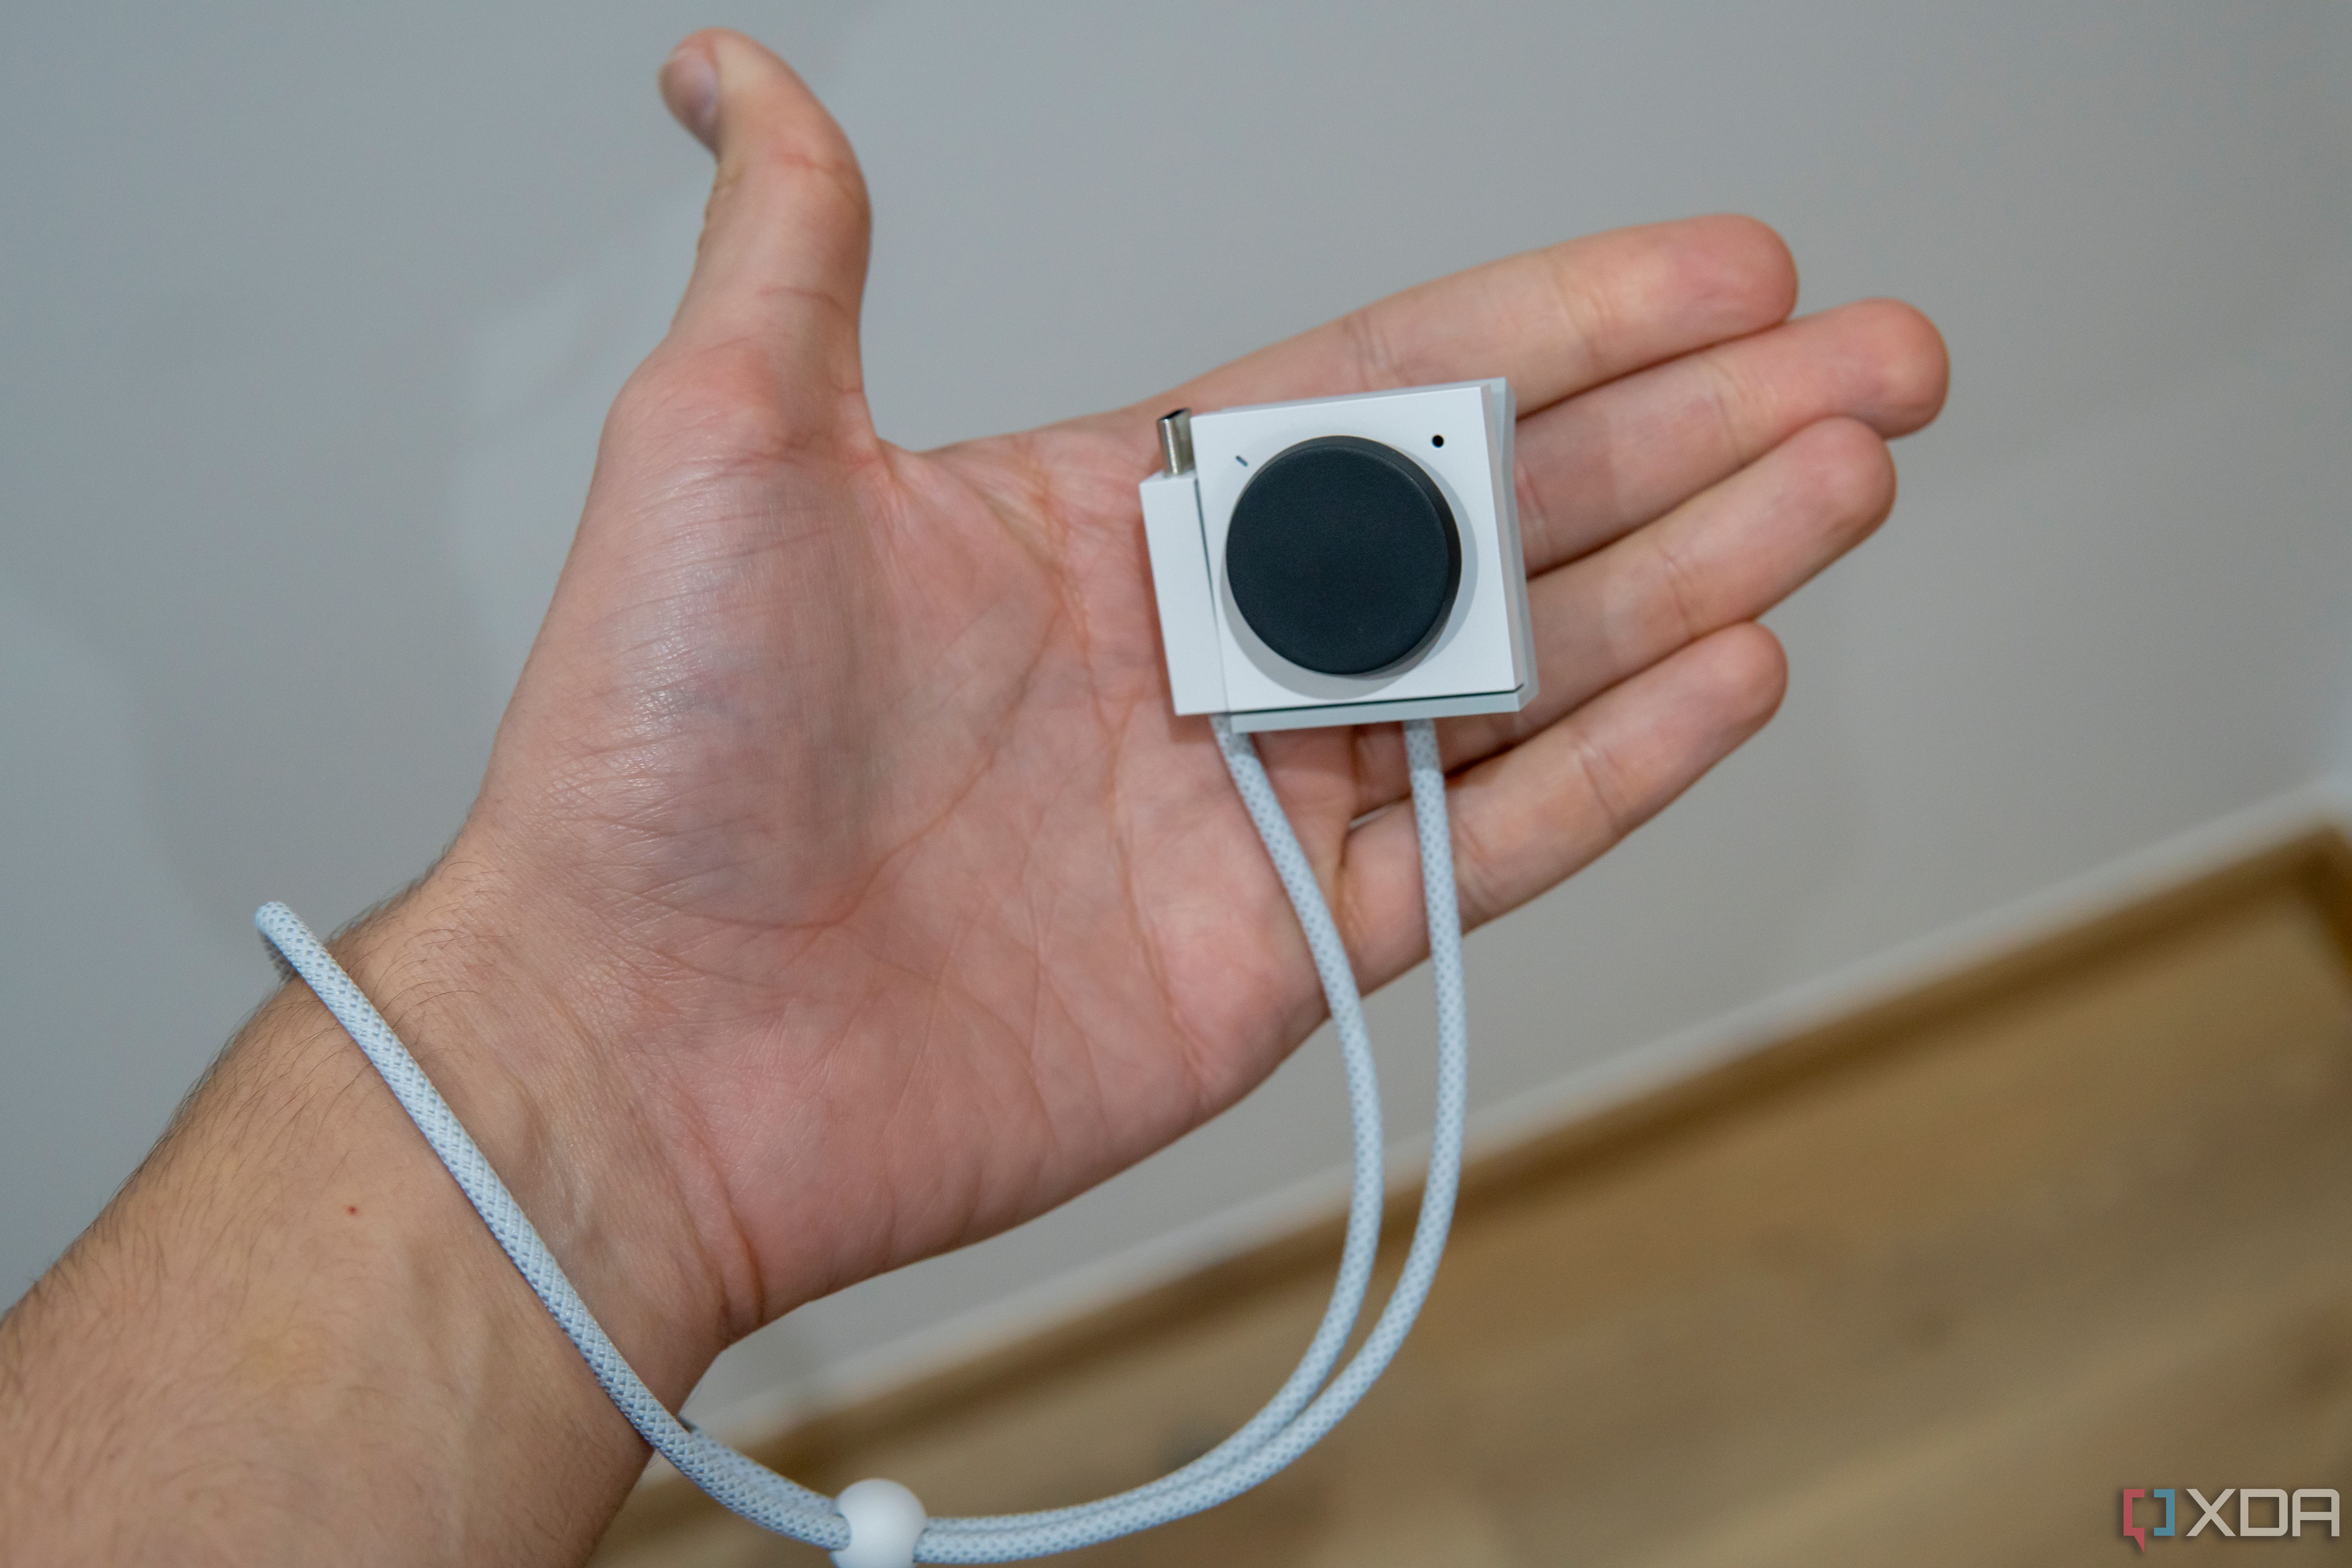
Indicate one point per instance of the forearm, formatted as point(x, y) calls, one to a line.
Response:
point(289, 1339)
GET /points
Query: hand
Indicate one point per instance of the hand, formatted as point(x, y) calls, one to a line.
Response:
point(839, 835)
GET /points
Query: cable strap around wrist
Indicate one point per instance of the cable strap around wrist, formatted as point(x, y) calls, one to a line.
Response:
point(880, 1524)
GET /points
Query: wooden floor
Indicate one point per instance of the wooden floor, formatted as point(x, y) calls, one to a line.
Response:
point(1925, 1288)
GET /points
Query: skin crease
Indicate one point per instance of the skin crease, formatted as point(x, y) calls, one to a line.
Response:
point(841, 890)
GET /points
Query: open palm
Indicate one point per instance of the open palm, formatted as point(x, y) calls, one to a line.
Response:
point(841, 802)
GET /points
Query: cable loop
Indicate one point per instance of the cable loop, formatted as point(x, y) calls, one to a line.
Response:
point(865, 1527)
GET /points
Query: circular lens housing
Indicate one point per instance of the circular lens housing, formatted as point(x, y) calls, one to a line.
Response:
point(1343, 555)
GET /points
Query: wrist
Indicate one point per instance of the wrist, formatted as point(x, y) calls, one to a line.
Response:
point(534, 1053)
point(293, 1275)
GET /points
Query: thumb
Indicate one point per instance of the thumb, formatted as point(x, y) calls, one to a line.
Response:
point(782, 264)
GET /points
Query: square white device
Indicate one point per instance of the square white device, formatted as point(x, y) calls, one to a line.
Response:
point(1344, 559)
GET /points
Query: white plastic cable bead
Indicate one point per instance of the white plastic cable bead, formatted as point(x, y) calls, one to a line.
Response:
point(881, 1524)
point(885, 1520)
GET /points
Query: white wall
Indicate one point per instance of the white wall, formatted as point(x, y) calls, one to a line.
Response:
point(310, 314)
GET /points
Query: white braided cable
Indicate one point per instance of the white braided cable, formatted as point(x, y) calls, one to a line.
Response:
point(1297, 1417)
point(1210, 1482)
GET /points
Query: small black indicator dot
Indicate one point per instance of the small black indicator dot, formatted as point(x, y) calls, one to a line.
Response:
point(1437, 440)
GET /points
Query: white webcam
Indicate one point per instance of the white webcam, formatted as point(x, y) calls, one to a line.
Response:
point(1342, 561)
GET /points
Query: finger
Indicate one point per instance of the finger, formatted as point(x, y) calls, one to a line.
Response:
point(1727, 555)
point(1593, 466)
point(782, 264)
point(1554, 322)
point(1526, 820)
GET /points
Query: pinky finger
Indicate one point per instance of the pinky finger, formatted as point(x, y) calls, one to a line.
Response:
point(1527, 819)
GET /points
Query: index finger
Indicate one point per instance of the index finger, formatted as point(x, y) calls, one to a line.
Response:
point(1554, 322)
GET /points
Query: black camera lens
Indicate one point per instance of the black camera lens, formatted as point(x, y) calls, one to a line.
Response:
point(1343, 556)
